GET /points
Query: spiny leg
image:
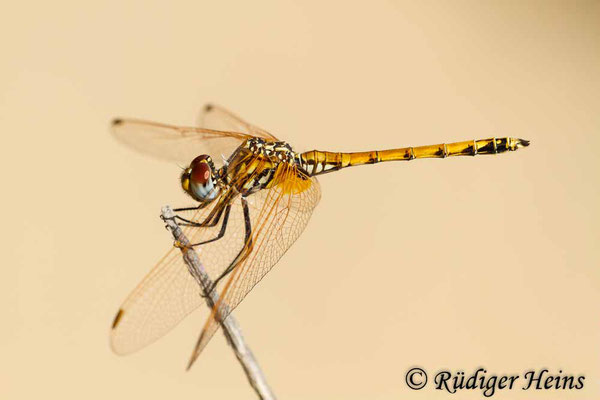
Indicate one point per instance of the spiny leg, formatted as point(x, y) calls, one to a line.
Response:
point(223, 207)
point(223, 228)
point(190, 208)
point(187, 222)
point(211, 220)
point(245, 248)
point(213, 217)
point(199, 207)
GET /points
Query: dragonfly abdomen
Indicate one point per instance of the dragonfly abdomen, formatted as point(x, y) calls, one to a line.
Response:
point(317, 162)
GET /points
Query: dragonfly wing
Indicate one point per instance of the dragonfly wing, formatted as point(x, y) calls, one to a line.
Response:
point(175, 143)
point(169, 293)
point(214, 116)
point(278, 216)
point(161, 300)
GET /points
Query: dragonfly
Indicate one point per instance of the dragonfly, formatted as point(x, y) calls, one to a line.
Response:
point(251, 202)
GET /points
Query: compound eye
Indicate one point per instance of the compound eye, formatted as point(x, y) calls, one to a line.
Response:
point(198, 159)
point(200, 174)
point(202, 185)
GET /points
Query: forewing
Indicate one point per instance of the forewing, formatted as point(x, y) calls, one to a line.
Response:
point(176, 143)
point(161, 300)
point(278, 215)
point(169, 292)
point(216, 117)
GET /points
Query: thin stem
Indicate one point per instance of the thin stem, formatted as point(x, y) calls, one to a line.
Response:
point(231, 328)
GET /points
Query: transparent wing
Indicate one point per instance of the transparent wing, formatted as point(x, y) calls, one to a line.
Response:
point(169, 293)
point(278, 216)
point(175, 143)
point(216, 117)
point(161, 300)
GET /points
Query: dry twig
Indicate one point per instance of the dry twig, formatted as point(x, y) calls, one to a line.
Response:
point(231, 328)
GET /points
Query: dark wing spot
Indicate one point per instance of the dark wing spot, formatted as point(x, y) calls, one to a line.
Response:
point(208, 107)
point(116, 121)
point(117, 318)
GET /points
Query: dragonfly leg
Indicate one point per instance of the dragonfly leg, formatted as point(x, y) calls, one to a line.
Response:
point(223, 228)
point(245, 249)
point(210, 220)
point(190, 208)
point(187, 222)
point(201, 206)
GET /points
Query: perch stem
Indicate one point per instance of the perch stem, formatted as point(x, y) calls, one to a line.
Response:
point(231, 328)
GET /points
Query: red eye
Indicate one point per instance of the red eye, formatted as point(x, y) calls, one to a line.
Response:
point(198, 159)
point(200, 173)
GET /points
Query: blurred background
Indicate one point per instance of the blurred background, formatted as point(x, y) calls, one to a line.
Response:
point(445, 264)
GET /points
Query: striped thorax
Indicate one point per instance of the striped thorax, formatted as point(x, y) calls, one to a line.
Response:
point(253, 165)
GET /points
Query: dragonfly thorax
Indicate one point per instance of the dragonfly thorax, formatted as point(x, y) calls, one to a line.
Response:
point(274, 151)
point(254, 164)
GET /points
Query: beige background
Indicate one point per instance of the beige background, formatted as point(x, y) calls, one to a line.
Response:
point(454, 264)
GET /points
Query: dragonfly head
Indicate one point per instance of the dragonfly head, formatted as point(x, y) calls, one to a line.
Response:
point(199, 179)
